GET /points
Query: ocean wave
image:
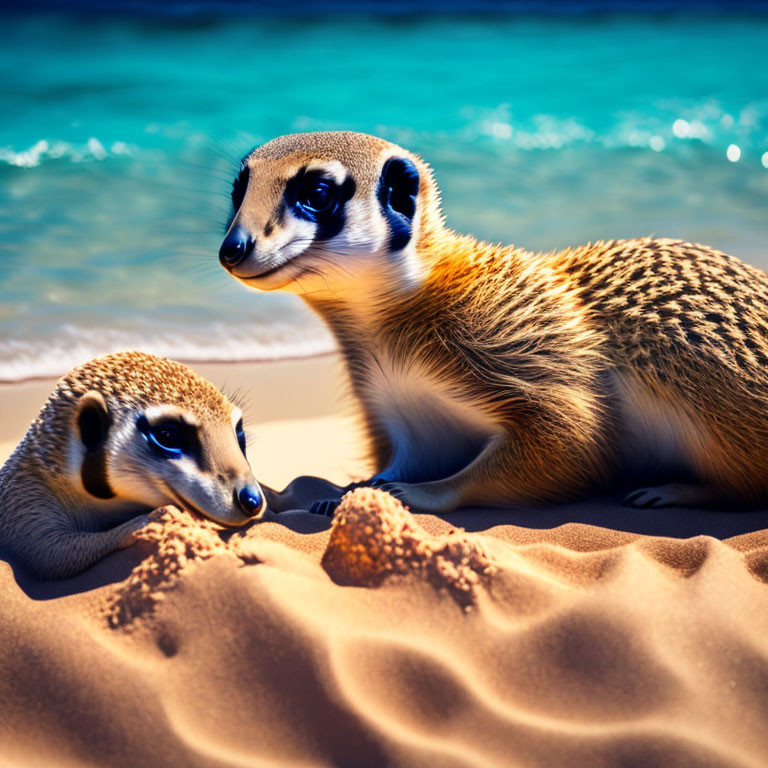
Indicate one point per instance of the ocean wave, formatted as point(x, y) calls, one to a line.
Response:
point(669, 126)
point(45, 149)
point(39, 358)
point(666, 129)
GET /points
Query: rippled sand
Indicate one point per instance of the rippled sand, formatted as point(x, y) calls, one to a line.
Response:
point(571, 646)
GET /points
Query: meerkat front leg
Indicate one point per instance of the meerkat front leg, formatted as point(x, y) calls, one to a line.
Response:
point(435, 496)
point(300, 493)
point(527, 463)
point(531, 463)
point(58, 552)
point(469, 485)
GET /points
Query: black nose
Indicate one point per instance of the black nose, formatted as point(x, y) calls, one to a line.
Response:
point(250, 500)
point(236, 246)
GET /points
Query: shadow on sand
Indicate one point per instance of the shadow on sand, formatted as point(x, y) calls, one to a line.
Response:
point(602, 512)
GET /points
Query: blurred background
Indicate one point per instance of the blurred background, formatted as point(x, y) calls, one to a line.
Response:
point(547, 124)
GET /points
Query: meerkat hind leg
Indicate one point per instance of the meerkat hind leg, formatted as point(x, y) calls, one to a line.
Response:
point(670, 495)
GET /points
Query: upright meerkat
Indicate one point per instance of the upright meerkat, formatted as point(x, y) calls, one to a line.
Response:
point(121, 435)
point(489, 374)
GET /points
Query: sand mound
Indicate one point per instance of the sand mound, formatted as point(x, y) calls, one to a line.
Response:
point(373, 536)
point(180, 542)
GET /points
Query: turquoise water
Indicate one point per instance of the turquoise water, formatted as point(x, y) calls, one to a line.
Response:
point(119, 138)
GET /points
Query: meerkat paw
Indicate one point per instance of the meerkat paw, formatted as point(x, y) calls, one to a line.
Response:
point(374, 482)
point(128, 530)
point(427, 498)
point(326, 507)
point(670, 495)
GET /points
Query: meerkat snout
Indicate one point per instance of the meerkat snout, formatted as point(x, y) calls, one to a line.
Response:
point(236, 246)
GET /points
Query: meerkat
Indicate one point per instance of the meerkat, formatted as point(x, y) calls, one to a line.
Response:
point(490, 374)
point(119, 436)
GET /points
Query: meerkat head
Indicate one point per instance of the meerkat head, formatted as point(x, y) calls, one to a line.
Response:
point(322, 213)
point(149, 431)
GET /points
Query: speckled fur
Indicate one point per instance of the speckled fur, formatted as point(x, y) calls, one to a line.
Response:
point(507, 335)
point(559, 351)
point(691, 324)
point(126, 378)
point(47, 522)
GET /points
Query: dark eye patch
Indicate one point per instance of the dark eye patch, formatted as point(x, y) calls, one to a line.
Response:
point(94, 424)
point(240, 433)
point(398, 189)
point(239, 186)
point(315, 196)
point(170, 438)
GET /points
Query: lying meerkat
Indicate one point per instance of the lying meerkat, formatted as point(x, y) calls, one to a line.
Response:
point(492, 375)
point(121, 435)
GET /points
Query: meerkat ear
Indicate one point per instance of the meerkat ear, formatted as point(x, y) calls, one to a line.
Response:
point(92, 420)
point(398, 188)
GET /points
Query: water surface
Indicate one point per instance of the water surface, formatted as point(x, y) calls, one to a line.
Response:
point(120, 136)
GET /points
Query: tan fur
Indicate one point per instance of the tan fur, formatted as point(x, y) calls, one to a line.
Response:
point(570, 356)
point(48, 521)
point(132, 379)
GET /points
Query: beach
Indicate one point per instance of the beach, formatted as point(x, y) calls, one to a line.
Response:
point(584, 635)
point(589, 634)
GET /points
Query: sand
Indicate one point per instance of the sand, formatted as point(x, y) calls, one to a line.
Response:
point(579, 635)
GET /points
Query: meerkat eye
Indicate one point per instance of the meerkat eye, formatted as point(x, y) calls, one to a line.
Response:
point(166, 438)
point(317, 196)
point(239, 431)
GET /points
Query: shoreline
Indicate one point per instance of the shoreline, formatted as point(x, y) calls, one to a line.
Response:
point(188, 362)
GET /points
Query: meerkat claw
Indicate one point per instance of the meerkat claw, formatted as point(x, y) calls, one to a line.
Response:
point(374, 482)
point(325, 508)
point(669, 495)
point(394, 489)
point(643, 498)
